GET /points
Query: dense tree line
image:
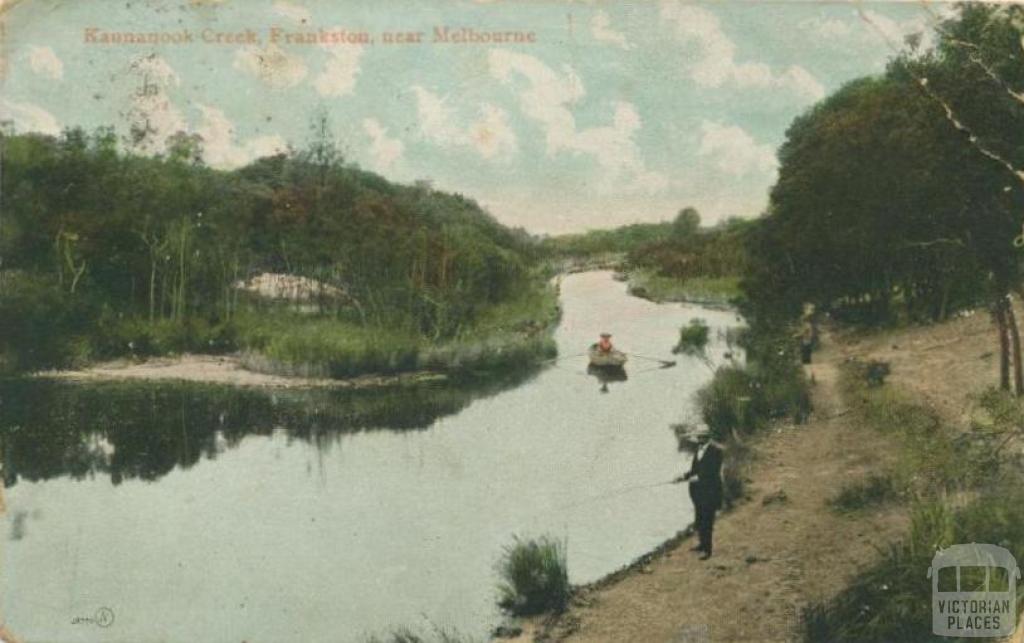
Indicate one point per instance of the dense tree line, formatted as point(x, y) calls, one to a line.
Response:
point(91, 235)
point(605, 241)
point(685, 250)
point(903, 194)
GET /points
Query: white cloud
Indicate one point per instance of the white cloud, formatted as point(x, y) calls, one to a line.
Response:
point(384, 151)
point(547, 97)
point(272, 65)
point(600, 29)
point(45, 62)
point(489, 135)
point(220, 146)
point(436, 118)
point(28, 117)
point(338, 77)
point(292, 11)
point(716, 63)
point(732, 150)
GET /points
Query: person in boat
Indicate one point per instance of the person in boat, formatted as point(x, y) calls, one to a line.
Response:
point(605, 343)
point(705, 478)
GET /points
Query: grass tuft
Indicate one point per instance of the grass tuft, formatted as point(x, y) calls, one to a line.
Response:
point(535, 577)
point(693, 338)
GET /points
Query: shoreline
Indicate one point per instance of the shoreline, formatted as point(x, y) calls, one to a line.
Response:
point(762, 588)
point(226, 370)
point(638, 284)
point(649, 598)
point(712, 304)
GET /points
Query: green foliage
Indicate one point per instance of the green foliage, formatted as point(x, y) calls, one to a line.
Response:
point(131, 240)
point(770, 386)
point(688, 254)
point(726, 404)
point(891, 601)
point(510, 334)
point(41, 324)
point(686, 223)
point(883, 208)
point(693, 338)
point(535, 576)
point(599, 242)
point(711, 291)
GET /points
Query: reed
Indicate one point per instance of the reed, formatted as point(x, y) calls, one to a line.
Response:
point(534, 576)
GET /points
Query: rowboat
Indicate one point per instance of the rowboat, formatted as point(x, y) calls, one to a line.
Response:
point(606, 359)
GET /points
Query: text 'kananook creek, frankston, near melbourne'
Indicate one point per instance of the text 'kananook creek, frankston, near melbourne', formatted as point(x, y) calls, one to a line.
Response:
point(442, 34)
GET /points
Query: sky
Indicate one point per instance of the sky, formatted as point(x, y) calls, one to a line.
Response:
point(611, 113)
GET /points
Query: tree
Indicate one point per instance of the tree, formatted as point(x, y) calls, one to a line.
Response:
point(686, 222)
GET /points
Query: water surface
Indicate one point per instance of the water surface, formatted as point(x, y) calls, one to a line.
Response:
point(198, 513)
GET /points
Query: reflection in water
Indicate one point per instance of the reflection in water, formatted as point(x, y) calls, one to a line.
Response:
point(606, 374)
point(144, 430)
point(201, 513)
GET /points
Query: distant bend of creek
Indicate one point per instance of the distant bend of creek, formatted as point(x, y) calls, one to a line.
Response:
point(144, 512)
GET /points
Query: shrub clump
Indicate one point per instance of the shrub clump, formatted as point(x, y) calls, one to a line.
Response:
point(534, 577)
point(693, 338)
point(745, 398)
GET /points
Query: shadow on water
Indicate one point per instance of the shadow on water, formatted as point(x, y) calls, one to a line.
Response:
point(607, 374)
point(145, 430)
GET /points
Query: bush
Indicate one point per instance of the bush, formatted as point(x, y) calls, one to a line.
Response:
point(726, 403)
point(40, 323)
point(535, 577)
point(138, 337)
point(693, 338)
point(745, 398)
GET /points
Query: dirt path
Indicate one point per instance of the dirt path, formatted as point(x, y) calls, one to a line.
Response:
point(770, 559)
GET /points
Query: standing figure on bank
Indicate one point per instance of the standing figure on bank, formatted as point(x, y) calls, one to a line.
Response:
point(705, 477)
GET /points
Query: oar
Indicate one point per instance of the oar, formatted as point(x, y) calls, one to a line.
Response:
point(664, 362)
point(560, 358)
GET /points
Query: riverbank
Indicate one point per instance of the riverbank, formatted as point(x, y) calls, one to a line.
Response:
point(805, 550)
point(225, 369)
point(719, 293)
point(280, 347)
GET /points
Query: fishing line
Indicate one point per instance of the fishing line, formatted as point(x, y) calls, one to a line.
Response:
point(605, 496)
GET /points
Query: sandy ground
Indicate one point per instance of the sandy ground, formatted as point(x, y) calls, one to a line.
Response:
point(773, 559)
point(945, 365)
point(223, 369)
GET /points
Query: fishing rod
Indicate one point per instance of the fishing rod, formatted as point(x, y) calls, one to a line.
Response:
point(560, 358)
point(614, 494)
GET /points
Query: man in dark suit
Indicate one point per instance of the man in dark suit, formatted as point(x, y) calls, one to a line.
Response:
point(705, 476)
